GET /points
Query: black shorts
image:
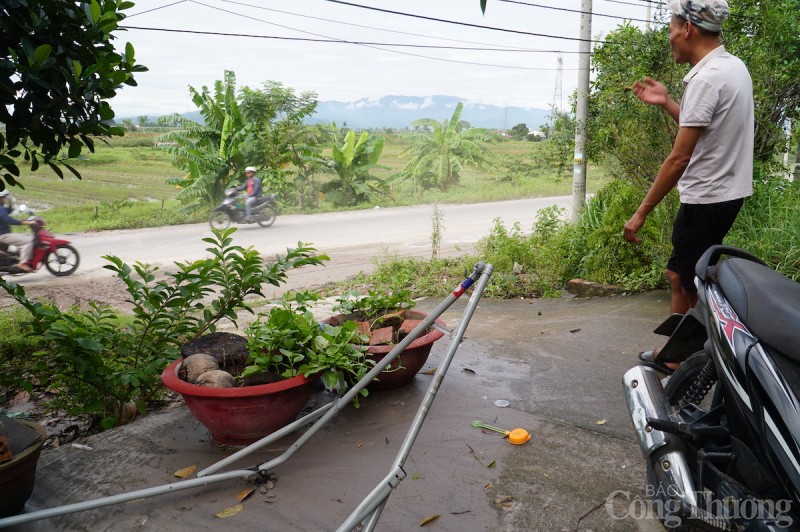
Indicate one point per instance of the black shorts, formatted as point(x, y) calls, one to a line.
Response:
point(697, 228)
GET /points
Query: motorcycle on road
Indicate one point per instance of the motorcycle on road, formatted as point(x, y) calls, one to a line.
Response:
point(56, 254)
point(232, 210)
point(721, 438)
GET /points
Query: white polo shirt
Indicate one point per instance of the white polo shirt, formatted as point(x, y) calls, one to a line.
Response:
point(718, 97)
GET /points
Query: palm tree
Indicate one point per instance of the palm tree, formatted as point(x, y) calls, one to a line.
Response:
point(440, 151)
point(211, 153)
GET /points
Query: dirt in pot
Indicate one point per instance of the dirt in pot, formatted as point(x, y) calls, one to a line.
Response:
point(229, 349)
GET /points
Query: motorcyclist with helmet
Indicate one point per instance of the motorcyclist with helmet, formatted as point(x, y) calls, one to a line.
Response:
point(252, 186)
point(23, 241)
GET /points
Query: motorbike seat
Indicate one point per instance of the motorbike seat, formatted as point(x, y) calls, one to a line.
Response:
point(767, 303)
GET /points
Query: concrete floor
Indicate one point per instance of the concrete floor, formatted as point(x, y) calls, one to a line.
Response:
point(559, 364)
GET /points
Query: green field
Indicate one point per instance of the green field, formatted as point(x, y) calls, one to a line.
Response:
point(124, 185)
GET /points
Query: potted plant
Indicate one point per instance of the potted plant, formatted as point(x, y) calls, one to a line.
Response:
point(260, 383)
point(385, 318)
point(18, 473)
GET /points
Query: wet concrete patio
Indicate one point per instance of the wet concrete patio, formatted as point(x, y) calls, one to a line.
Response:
point(558, 363)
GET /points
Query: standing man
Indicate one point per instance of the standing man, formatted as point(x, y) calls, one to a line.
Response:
point(22, 241)
point(252, 186)
point(712, 159)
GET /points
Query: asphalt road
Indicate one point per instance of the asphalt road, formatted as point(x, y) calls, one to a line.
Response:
point(362, 234)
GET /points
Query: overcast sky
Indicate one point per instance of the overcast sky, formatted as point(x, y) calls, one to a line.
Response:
point(348, 72)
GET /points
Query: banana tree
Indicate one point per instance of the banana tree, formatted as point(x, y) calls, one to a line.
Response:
point(211, 153)
point(351, 161)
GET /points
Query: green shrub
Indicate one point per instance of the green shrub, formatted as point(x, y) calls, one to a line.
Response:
point(767, 226)
point(103, 362)
point(16, 350)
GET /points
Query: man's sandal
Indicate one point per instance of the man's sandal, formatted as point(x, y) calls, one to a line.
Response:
point(648, 358)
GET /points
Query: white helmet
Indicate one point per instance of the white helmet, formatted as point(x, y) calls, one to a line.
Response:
point(250, 169)
point(3, 193)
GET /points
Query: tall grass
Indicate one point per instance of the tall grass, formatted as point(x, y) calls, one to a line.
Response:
point(768, 225)
point(538, 262)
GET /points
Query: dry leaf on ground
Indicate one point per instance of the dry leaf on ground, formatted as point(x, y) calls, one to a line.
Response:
point(228, 512)
point(429, 519)
point(245, 494)
point(186, 471)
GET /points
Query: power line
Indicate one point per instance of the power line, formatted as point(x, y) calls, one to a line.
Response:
point(362, 25)
point(593, 13)
point(637, 4)
point(373, 46)
point(467, 24)
point(360, 43)
point(157, 8)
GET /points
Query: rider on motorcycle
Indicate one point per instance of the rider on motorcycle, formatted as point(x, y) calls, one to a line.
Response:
point(23, 241)
point(253, 187)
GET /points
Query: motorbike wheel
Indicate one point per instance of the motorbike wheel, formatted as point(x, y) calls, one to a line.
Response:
point(267, 217)
point(685, 377)
point(219, 220)
point(63, 261)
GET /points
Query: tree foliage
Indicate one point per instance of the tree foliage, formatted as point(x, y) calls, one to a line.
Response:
point(281, 139)
point(635, 138)
point(557, 152)
point(351, 160)
point(213, 154)
point(766, 36)
point(519, 132)
point(58, 68)
point(631, 138)
point(441, 151)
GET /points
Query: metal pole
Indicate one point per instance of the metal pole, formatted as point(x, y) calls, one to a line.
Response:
point(582, 112)
point(123, 497)
point(329, 410)
point(374, 502)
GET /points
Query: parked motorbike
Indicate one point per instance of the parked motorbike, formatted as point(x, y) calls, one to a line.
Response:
point(232, 210)
point(722, 438)
point(56, 254)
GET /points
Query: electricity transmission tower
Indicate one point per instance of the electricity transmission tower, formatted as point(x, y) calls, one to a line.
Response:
point(557, 96)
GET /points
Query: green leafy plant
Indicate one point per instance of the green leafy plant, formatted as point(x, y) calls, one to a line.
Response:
point(59, 68)
point(373, 304)
point(105, 361)
point(351, 160)
point(441, 151)
point(212, 153)
point(288, 341)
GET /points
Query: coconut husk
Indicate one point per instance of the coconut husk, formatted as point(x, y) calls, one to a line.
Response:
point(194, 366)
point(216, 379)
point(229, 349)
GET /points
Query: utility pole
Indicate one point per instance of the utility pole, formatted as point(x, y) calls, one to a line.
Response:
point(582, 112)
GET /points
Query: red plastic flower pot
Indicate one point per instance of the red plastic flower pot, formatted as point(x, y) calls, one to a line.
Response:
point(403, 368)
point(242, 415)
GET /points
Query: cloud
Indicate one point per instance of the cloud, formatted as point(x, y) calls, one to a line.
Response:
point(365, 102)
point(408, 106)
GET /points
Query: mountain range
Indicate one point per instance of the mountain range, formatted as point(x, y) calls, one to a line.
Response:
point(398, 112)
